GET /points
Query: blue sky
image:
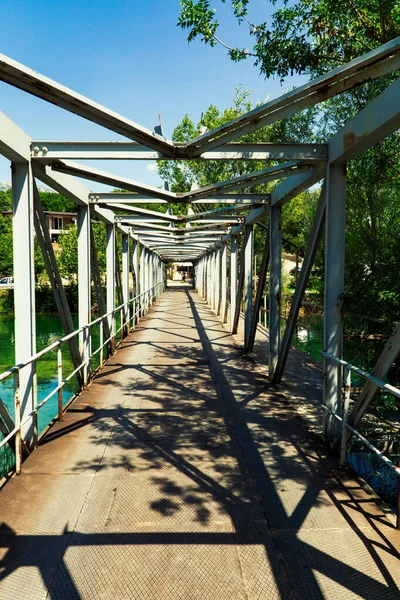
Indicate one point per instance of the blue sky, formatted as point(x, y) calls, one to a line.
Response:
point(127, 55)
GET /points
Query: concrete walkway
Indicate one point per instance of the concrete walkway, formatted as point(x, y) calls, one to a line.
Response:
point(179, 474)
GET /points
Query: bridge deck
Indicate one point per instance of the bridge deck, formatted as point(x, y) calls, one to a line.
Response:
point(180, 474)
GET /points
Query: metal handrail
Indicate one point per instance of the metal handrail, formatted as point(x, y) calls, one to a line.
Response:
point(140, 307)
point(348, 369)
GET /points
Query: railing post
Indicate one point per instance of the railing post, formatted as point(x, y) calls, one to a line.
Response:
point(17, 421)
point(345, 413)
point(24, 290)
point(59, 382)
point(265, 311)
point(101, 343)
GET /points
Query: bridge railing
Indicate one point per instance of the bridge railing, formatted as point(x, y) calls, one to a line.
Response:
point(140, 305)
point(347, 430)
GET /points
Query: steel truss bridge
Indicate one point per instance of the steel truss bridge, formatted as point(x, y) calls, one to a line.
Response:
point(219, 242)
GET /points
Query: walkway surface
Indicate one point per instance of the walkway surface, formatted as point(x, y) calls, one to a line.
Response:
point(179, 474)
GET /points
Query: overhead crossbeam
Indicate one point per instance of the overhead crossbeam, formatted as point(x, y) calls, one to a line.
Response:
point(110, 198)
point(47, 151)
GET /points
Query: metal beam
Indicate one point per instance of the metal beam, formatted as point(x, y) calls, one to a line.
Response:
point(84, 279)
point(110, 280)
point(376, 121)
point(110, 198)
point(248, 282)
point(371, 65)
point(302, 280)
point(381, 369)
point(48, 151)
point(259, 295)
point(125, 279)
point(224, 282)
point(249, 180)
point(239, 292)
point(14, 143)
point(38, 85)
point(333, 292)
point(109, 179)
point(53, 273)
point(275, 286)
point(24, 292)
point(233, 279)
point(290, 188)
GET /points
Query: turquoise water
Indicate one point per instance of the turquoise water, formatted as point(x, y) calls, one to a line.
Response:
point(48, 330)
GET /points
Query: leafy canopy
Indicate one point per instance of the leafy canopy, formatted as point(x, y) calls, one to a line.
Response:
point(302, 36)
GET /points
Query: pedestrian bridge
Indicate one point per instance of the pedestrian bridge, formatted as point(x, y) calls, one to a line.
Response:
point(180, 473)
point(183, 469)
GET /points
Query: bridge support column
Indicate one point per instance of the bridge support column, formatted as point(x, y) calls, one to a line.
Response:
point(217, 283)
point(125, 280)
point(135, 267)
point(84, 278)
point(141, 279)
point(24, 293)
point(335, 225)
point(224, 282)
point(248, 282)
point(208, 278)
point(233, 280)
point(275, 239)
point(110, 260)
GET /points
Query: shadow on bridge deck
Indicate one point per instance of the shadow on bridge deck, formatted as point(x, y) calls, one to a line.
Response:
point(181, 474)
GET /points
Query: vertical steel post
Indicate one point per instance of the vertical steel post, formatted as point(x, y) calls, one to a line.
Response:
point(248, 282)
point(212, 286)
point(84, 278)
point(335, 224)
point(110, 260)
point(24, 292)
point(224, 282)
point(218, 280)
point(135, 261)
point(125, 281)
point(141, 279)
point(275, 240)
point(208, 277)
point(233, 277)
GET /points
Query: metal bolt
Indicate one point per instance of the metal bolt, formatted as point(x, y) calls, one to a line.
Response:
point(36, 149)
point(45, 149)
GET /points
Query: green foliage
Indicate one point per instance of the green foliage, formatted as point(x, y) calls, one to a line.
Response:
point(56, 202)
point(302, 36)
point(68, 253)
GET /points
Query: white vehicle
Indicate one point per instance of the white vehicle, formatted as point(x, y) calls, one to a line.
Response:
point(6, 282)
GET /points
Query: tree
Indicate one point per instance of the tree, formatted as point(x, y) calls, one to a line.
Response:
point(302, 36)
